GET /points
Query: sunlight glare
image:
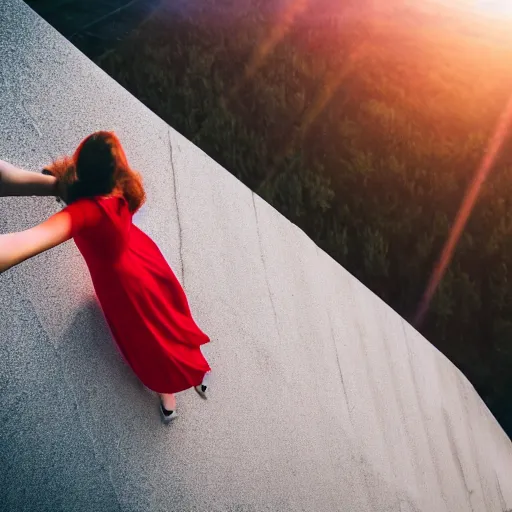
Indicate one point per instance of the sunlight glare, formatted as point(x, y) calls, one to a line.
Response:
point(497, 9)
point(495, 145)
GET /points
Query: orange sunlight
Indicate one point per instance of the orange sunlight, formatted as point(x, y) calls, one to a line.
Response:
point(497, 9)
point(262, 50)
point(493, 150)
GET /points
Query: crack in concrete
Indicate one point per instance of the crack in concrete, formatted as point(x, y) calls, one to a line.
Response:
point(35, 125)
point(372, 380)
point(16, 92)
point(396, 385)
point(423, 415)
point(265, 266)
point(500, 493)
point(88, 430)
point(455, 455)
point(180, 232)
point(345, 394)
point(33, 121)
point(333, 339)
point(470, 432)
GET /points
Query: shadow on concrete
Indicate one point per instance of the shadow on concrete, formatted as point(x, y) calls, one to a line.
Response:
point(65, 405)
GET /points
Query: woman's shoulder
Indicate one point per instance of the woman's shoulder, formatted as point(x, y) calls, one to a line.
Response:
point(85, 212)
point(110, 198)
point(80, 203)
point(114, 205)
point(108, 204)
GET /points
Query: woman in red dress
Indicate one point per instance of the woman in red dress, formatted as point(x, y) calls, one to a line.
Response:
point(143, 302)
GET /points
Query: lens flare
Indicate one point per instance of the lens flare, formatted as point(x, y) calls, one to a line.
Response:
point(494, 7)
point(492, 152)
point(486, 8)
point(274, 37)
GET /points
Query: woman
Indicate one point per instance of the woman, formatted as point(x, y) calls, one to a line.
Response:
point(143, 302)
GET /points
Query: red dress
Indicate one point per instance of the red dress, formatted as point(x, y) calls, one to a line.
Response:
point(143, 302)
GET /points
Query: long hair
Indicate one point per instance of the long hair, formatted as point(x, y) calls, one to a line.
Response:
point(99, 167)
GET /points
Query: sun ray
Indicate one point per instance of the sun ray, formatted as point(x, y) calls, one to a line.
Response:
point(495, 144)
point(276, 34)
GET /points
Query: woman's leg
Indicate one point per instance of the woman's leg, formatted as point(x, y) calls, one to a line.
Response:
point(168, 401)
point(201, 388)
point(206, 379)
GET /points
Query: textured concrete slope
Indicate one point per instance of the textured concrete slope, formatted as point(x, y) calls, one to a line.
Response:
point(323, 398)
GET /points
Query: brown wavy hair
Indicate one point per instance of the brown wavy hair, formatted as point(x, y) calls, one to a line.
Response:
point(98, 167)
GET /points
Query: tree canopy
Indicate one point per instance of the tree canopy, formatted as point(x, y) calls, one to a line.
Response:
point(365, 131)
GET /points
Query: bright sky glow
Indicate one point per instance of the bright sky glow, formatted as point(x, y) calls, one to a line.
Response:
point(493, 8)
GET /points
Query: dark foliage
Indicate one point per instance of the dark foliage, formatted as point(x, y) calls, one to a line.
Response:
point(363, 130)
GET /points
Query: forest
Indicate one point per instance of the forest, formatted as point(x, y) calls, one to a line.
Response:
point(364, 128)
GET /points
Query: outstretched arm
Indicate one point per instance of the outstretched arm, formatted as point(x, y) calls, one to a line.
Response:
point(17, 182)
point(18, 247)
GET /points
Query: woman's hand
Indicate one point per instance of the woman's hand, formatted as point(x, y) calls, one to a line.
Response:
point(60, 190)
point(17, 182)
point(64, 172)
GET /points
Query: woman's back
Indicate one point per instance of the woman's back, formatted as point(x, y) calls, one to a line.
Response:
point(101, 228)
point(143, 301)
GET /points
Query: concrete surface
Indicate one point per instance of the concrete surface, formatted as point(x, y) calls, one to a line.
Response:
point(323, 398)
